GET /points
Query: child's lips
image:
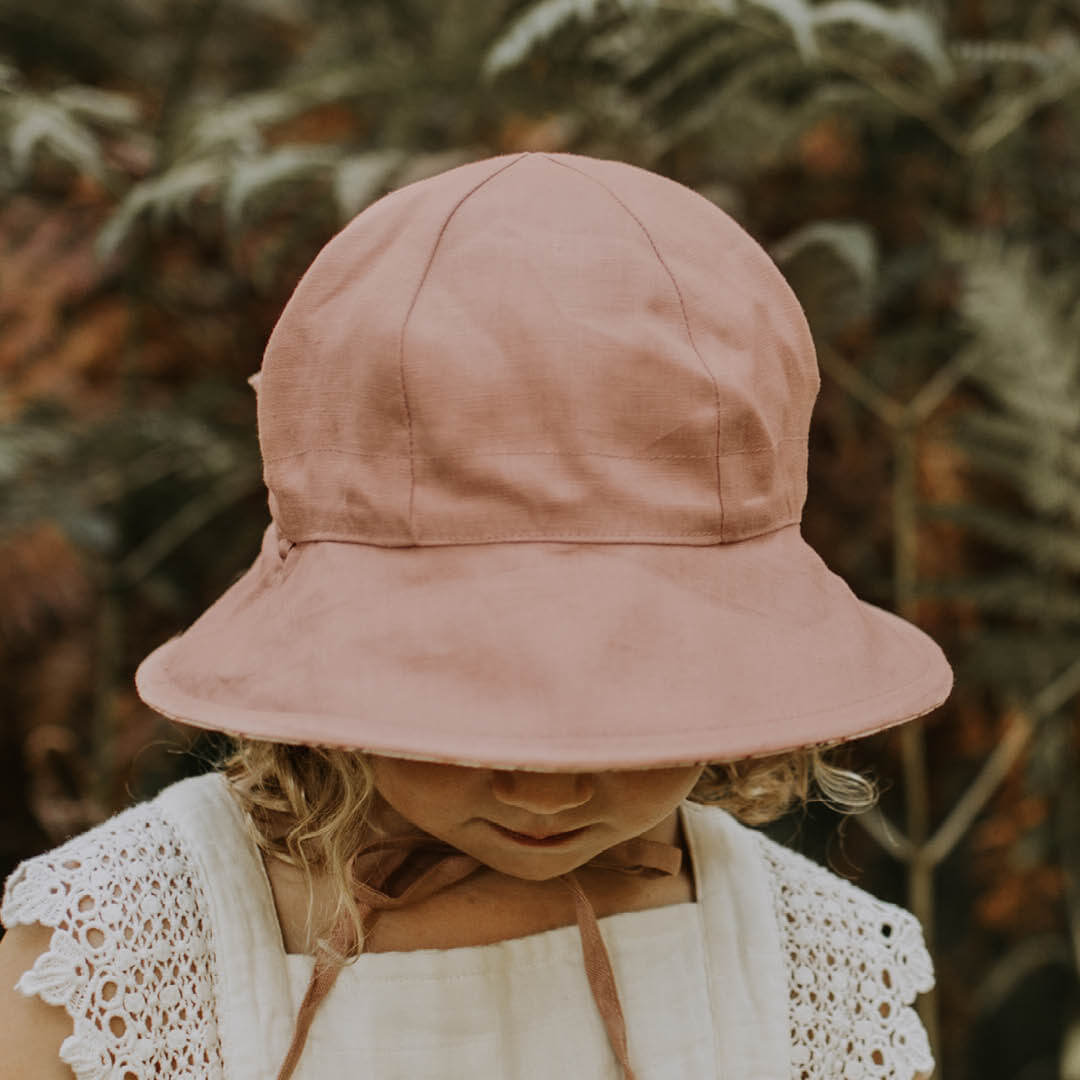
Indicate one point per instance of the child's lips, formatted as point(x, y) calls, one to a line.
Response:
point(552, 840)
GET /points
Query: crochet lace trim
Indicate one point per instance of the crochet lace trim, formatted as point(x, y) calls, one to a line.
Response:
point(131, 952)
point(855, 965)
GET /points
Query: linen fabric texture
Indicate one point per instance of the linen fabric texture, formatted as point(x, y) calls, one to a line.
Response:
point(168, 957)
point(534, 433)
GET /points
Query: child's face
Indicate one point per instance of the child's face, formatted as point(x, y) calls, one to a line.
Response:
point(462, 805)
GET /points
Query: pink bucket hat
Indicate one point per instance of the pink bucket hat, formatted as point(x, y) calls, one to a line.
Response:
point(534, 432)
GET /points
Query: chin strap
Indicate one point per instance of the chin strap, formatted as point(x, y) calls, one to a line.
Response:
point(636, 856)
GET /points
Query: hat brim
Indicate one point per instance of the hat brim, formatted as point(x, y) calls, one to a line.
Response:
point(547, 656)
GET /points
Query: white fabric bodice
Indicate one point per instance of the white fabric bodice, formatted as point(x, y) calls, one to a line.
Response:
point(521, 1009)
point(779, 971)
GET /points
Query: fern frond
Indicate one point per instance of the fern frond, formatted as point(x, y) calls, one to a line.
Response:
point(237, 124)
point(1025, 323)
point(251, 178)
point(537, 24)
point(725, 8)
point(1039, 401)
point(853, 242)
point(1007, 438)
point(701, 56)
point(161, 196)
point(1041, 544)
point(1023, 594)
point(1039, 462)
point(100, 106)
point(903, 27)
point(630, 46)
point(989, 53)
point(35, 121)
point(738, 91)
point(359, 177)
point(1027, 357)
point(799, 18)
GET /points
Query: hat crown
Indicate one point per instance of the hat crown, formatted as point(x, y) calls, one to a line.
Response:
point(527, 349)
point(538, 347)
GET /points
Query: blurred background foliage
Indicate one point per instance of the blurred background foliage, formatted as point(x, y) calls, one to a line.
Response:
point(168, 169)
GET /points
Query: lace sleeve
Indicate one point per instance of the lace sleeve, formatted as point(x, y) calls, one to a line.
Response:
point(130, 957)
point(855, 966)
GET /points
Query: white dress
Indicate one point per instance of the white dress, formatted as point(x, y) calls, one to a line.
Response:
point(168, 957)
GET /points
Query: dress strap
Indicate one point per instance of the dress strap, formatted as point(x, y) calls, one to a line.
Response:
point(253, 1001)
point(744, 962)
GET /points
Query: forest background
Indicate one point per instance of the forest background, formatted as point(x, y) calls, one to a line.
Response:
point(168, 169)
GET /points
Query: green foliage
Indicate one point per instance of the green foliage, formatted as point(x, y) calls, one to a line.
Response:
point(76, 473)
point(834, 266)
point(66, 122)
point(1024, 353)
point(1026, 348)
point(869, 24)
point(221, 153)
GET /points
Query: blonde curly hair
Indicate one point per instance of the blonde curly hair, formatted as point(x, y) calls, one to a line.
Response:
point(309, 806)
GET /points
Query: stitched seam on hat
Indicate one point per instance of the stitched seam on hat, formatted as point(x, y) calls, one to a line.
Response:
point(408, 314)
point(682, 308)
point(544, 538)
point(540, 538)
point(535, 453)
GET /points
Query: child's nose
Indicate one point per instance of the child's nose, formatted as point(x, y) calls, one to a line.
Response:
point(542, 793)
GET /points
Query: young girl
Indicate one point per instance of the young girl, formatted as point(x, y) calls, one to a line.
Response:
point(532, 639)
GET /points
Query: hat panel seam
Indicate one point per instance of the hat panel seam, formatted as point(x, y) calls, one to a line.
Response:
point(768, 449)
point(538, 537)
point(682, 309)
point(408, 314)
point(542, 538)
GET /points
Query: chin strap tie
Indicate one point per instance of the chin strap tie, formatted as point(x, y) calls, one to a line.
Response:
point(645, 857)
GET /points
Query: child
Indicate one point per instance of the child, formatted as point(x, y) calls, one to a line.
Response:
point(534, 432)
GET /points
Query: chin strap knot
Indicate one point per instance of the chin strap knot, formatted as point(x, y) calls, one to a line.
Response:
point(637, 856)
